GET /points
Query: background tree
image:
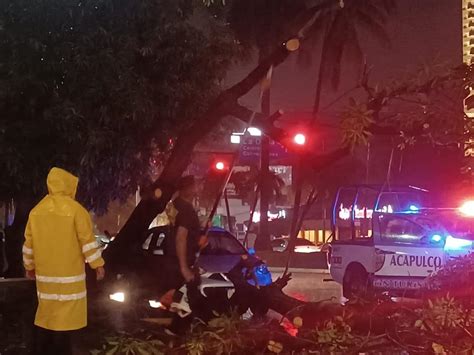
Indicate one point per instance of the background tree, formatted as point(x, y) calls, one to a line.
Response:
point(420, 118)
point(246, 183)
point(336, 34)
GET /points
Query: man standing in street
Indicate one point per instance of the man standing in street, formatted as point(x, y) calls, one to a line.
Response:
point(185, 242)
point(185, 235)
point(58, 242)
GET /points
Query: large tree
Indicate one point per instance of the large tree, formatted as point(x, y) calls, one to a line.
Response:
point(99, 88)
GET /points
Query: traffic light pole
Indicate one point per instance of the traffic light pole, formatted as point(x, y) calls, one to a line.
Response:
point(263, 239)
point(227, 208)
point(296, 212)
point(218, 197)
point(252, 212)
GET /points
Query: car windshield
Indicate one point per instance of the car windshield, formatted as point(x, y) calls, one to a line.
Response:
point(223, 243)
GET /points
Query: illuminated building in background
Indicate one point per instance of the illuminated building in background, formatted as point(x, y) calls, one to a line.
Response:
point(468, 58)
point(468, 30)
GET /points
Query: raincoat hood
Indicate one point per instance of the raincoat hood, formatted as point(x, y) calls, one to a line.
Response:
point(61, 182)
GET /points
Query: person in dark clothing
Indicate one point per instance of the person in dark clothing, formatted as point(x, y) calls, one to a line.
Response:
point(181, 251)
point(185, 234)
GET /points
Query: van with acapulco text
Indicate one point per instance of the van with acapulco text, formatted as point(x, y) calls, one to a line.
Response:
point(384, 240)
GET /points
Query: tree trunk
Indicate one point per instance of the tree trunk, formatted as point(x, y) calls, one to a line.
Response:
point(319, 79)
point(14, 237)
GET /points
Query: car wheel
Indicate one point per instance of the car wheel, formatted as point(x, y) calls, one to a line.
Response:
point(356, 283)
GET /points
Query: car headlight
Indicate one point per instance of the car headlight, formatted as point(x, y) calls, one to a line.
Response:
point(155, 304)
point(118, 297)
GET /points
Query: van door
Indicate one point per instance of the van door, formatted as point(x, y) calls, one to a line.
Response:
point(407, 251)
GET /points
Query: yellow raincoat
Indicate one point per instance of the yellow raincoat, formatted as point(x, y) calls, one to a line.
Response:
point(58, 241)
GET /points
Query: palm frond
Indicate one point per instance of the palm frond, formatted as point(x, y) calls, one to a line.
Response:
point(379, 9)
point(353, 51)
point(374, 27)
point(336, 41)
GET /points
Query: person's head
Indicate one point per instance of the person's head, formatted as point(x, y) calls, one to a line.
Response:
point(187, 187)
point(62, 182)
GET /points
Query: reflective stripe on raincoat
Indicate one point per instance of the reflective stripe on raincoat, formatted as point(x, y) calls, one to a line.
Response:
point(59, 240)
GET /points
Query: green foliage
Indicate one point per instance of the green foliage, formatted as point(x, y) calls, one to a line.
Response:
point(444, 314)
point(100, 87)
point(356, 120)
point(128, 345)
point(424, 105)
point(336, 334)
point(222, 335)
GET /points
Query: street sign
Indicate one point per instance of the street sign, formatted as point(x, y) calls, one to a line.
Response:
point(249, 152)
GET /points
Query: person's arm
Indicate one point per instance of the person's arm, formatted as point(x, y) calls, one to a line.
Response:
point(28, 254)
point(182, 252)
point(90, 247)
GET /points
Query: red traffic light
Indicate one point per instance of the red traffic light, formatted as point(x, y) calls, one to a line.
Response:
point(219, 165)
point(299, 139)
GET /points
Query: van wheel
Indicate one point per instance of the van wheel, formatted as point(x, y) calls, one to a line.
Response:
point(356, 283)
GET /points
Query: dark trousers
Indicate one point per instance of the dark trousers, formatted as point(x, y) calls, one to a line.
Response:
point(50, 342)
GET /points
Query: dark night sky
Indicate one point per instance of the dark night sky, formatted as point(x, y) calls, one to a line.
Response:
point(421, 31)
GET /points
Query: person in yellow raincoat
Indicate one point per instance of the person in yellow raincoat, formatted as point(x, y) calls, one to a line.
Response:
point(59, 240)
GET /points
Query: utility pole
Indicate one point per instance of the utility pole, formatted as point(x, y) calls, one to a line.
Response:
point(263, 239)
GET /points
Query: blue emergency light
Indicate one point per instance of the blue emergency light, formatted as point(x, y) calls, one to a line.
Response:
point(436, 238)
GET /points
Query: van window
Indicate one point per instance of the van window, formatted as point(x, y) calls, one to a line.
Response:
point(399, 229)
